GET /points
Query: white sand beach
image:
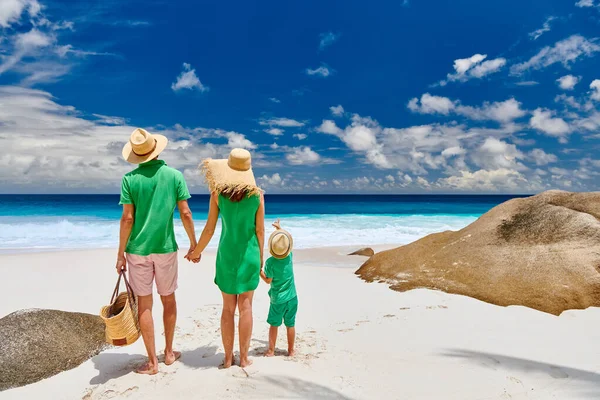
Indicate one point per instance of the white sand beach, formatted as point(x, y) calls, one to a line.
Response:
point(355, 340)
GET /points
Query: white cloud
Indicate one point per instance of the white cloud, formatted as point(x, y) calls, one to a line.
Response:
point(188, 79)
point(300, 136)
point(328, 126)
point(545, 28)
point(338, 110)
point(540, 157)
point(566, 51)
point(527, 83)
point(496, 154)
point(431, 105)
point(274, 131)
point(12, 10)
point(273, 180)
point(503, 111)
point(283, 122)
point(486, 180)
point(423, 182)
point(327, 39)
point(474, 67)
point(274, 99)
point(585, 3)
point(543, 121)
point(568, 82)
point(235, 139)
point(321, 71)
point(453, 151)
point(51, 147)
point(303, 156)
point(595, 86)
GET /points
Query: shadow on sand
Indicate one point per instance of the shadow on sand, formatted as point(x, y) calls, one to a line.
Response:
point(294, 388)
point(115, 365)
point(590, 381)
point(202, 358)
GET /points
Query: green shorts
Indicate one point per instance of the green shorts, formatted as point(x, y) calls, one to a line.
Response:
point(284, 311)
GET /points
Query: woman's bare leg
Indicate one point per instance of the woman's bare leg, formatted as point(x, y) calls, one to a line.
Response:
point(228, 326)
point(245, 308)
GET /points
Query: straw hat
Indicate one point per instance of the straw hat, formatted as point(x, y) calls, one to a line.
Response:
point(232, 174)
point(143, 146)
point(280, 243)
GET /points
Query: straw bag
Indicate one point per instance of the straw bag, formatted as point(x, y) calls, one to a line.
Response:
point(121, 316)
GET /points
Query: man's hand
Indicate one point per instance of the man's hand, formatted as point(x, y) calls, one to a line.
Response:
point(121, 264)
point(191, 256)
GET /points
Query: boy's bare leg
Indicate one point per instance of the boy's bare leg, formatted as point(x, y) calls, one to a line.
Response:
point(147, 328)
point(291, 336)
point(169, 319)
point(228, 327)
point(272, 341)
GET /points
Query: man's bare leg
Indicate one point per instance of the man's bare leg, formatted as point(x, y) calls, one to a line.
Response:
point(291, 336)
point(228, 327)
point(169, 320)
point(272, 341)
point(147, 328)
point(245, 308)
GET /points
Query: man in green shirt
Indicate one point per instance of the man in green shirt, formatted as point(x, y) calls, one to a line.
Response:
point(147, 246)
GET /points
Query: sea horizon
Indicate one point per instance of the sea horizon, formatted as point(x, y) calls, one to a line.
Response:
point(43, 222)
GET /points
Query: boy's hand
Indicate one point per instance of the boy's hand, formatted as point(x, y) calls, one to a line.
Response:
point(276, 224)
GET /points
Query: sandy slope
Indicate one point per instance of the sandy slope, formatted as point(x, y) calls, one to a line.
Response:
point(356, 340)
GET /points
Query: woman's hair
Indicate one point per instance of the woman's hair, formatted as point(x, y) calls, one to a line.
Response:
point(236, 195)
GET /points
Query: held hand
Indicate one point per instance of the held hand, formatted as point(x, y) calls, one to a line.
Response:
point(121, 264)
point(192, 256)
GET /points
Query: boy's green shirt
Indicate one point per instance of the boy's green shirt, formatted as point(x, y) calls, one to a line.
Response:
point(154, 189)
point(283, 288)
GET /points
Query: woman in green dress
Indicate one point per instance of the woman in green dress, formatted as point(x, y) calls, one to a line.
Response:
point(240, 203)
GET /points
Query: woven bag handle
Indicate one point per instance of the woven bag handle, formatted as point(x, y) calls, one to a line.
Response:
point(130, 293)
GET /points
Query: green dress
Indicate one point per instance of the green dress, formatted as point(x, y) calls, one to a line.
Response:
point(238, 257)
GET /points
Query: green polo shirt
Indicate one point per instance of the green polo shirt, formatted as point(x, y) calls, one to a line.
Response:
point(154, 189)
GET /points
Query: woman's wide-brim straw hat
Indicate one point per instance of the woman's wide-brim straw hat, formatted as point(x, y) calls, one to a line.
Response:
point(231, 175)
point(280, 243)
point(143, 146)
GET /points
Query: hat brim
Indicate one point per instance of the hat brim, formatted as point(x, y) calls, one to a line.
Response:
point(131, 157)
point(290, 247)
point(221, 178)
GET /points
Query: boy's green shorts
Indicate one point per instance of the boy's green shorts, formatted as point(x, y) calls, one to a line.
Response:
point(284, 311)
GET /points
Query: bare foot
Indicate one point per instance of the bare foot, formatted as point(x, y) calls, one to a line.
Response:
point(171, 357)
point(270, 353)
point(245, 363)
point(148, 369)
point(291, 353)
point(226, 363)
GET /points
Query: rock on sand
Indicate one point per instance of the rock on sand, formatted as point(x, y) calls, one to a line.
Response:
point(36, 344)
point(541, 252)
point(365, 251)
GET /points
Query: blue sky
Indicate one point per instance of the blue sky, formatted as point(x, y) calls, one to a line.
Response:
point(331, 97)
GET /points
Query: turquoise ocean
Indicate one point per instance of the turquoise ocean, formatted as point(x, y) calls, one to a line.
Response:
point(54, 222)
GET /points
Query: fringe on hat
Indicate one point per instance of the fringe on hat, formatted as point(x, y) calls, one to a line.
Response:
point(223, 187)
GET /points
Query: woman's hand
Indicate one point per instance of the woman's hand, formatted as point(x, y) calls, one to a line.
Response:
point(193, 255)
point(276, 224)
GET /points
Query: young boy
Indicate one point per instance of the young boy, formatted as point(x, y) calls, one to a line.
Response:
point(279, 274)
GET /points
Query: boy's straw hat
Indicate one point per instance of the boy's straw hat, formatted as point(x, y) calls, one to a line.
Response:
point(143, 146)
point(230, 175)
point(280, 243)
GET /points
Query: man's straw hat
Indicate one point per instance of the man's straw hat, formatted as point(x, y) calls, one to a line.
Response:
point(280, 243)
point(143, 146)
point(230, 175)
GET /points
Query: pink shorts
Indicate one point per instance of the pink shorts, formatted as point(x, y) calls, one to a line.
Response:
point(143, 270)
